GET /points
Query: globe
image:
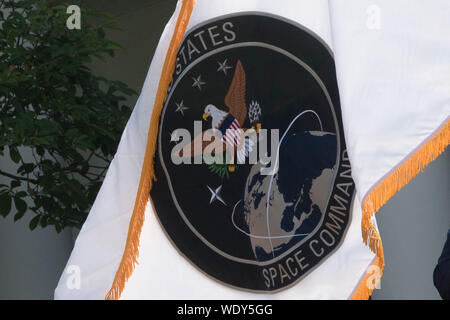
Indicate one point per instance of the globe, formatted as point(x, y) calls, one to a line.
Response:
point(282, 209)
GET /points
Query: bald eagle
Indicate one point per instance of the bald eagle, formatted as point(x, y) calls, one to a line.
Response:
point(229, 122)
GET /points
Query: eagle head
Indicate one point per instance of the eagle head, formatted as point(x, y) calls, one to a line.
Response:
point(216, 114)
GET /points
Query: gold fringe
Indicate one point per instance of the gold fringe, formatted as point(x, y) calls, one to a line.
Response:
point(131, 253)
point(364, 291)
point(386, 189)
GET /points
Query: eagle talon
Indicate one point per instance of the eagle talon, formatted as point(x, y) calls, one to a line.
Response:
point(258, 128)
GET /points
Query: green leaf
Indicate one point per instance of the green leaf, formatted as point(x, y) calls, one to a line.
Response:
point(40, 150)
point(26, 168)
point(15, 184)
point(21, 207)
point(19, 215)
point(5, 204)
point(14, 154)
point(71, 133)
point(34, 222)
point(21, 194)
point(44, 221)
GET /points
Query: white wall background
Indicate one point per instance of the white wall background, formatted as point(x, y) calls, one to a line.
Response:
point(413, 224)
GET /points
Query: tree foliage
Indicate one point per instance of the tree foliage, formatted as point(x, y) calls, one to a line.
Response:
point(59, 122)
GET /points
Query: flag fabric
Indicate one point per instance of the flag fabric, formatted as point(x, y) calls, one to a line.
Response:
point(342, 112)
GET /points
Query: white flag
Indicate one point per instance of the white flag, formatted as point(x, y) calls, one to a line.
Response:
point(265, 138)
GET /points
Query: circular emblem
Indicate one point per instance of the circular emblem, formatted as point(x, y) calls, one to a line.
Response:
point(254, 183)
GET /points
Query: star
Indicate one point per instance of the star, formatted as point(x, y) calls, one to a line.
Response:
point(215, 195)
point(224, 67)
point(180, 107)
point(198, 82)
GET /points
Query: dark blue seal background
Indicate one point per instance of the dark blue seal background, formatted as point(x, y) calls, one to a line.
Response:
point(214, 236)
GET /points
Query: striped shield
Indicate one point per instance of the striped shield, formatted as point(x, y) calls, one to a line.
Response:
point(231, 131)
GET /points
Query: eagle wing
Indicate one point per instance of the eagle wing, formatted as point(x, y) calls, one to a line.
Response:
point(235, 98)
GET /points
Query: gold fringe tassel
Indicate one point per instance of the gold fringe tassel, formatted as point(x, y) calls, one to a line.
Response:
point(131, 253)
point(387, 188)
point(370, 281)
